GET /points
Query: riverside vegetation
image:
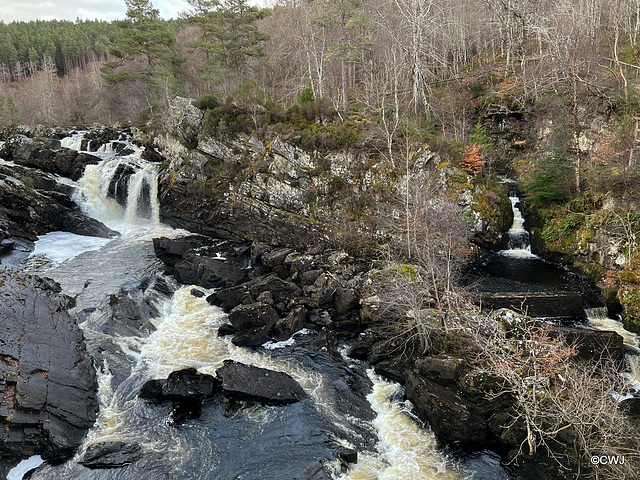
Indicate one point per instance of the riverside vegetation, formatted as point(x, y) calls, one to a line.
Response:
point(317, 128)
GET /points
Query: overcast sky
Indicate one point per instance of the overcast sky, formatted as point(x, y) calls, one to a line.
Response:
point(71, 9)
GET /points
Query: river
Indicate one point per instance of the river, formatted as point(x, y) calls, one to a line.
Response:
point(248, 442)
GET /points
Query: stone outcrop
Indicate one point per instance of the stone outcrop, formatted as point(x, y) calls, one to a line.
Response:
point(535, 304)
point(43, 155)
point(185, 389)
point(270, 190)
point(254, 384)
point(47, 380)
point(32, 203)
point(275, 292)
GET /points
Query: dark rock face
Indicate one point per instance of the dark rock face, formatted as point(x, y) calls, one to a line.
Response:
point(47, 380)
point(180, 385)
point(450, 416)
point(536, 304)
point(111, 454)
point(186, 389)
point(39, 154)
point(593, 344)
point(206, 272)
point(28, 211)
point(254, 315)
point(254, 384)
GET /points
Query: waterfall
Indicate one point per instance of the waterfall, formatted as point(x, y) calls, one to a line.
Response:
point(74, 142)
point(598, 318)
point(405, 450)
point(120, 191)
point(519, 242)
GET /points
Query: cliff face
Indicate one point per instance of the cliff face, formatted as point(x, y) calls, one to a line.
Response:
point(47, 380)
point(274, 192)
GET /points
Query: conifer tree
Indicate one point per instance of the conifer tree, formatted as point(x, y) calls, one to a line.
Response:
point(229, 36)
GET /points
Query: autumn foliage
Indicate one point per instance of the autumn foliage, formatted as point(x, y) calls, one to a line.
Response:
point(472, 160)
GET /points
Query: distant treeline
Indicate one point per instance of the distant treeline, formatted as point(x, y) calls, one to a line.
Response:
point(25, 45)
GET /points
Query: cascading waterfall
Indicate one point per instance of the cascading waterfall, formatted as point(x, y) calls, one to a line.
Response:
point(599, 319)
point(519, 241)
point(102, 183)
point(186, 336)
point(74, 142)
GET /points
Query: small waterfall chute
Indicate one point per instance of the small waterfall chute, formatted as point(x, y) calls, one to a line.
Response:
point(599, 319)
point(519, 244)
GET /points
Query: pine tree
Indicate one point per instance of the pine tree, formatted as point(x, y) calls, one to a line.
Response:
point(229, 35)
point(144, 36)
point(14, 115)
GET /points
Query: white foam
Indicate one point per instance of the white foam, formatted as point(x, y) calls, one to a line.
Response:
point(16, 473)
point(61, 246)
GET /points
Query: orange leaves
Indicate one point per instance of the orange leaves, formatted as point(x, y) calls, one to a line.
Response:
point(472, 160)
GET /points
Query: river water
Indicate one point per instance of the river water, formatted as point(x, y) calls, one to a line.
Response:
point(251, 442)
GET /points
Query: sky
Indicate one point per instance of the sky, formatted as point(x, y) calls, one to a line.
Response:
point(26, 10)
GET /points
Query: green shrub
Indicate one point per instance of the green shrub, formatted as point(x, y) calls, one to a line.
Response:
point(306, 94)
point(551, 180)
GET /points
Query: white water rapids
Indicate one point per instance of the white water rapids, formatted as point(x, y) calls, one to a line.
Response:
point(599, 319)
point(186, 336)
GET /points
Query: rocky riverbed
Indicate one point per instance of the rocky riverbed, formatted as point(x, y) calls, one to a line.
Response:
point(245, 347)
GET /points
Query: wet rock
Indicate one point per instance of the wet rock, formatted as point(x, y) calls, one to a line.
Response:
point(228, 298)
point(131, 313)
point(181, 385)
point(593, 344)
point(292, 323)
point(197, 293)
point(225, 330)
point(254, 315)
point(171, 250)
point(185, 389)
point(188, 383)
point(281, 291)
point(395, 370)
point(450, 416)
point(119, 185)
point(206, 272)
point(254, 384)
point(47, 380)
point(111, 454)
point(27, 211)
point(76, 222)
point(347, 455)
point(251, 338)
point(39, 154)
point(536, 304)
point(363, 346)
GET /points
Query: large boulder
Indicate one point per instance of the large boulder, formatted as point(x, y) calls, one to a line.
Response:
point(255, 384)
point(253, 315)
point(206, 272)
point(186, 389)
point(593, 344)
point(47, 380)
point(451, 417)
